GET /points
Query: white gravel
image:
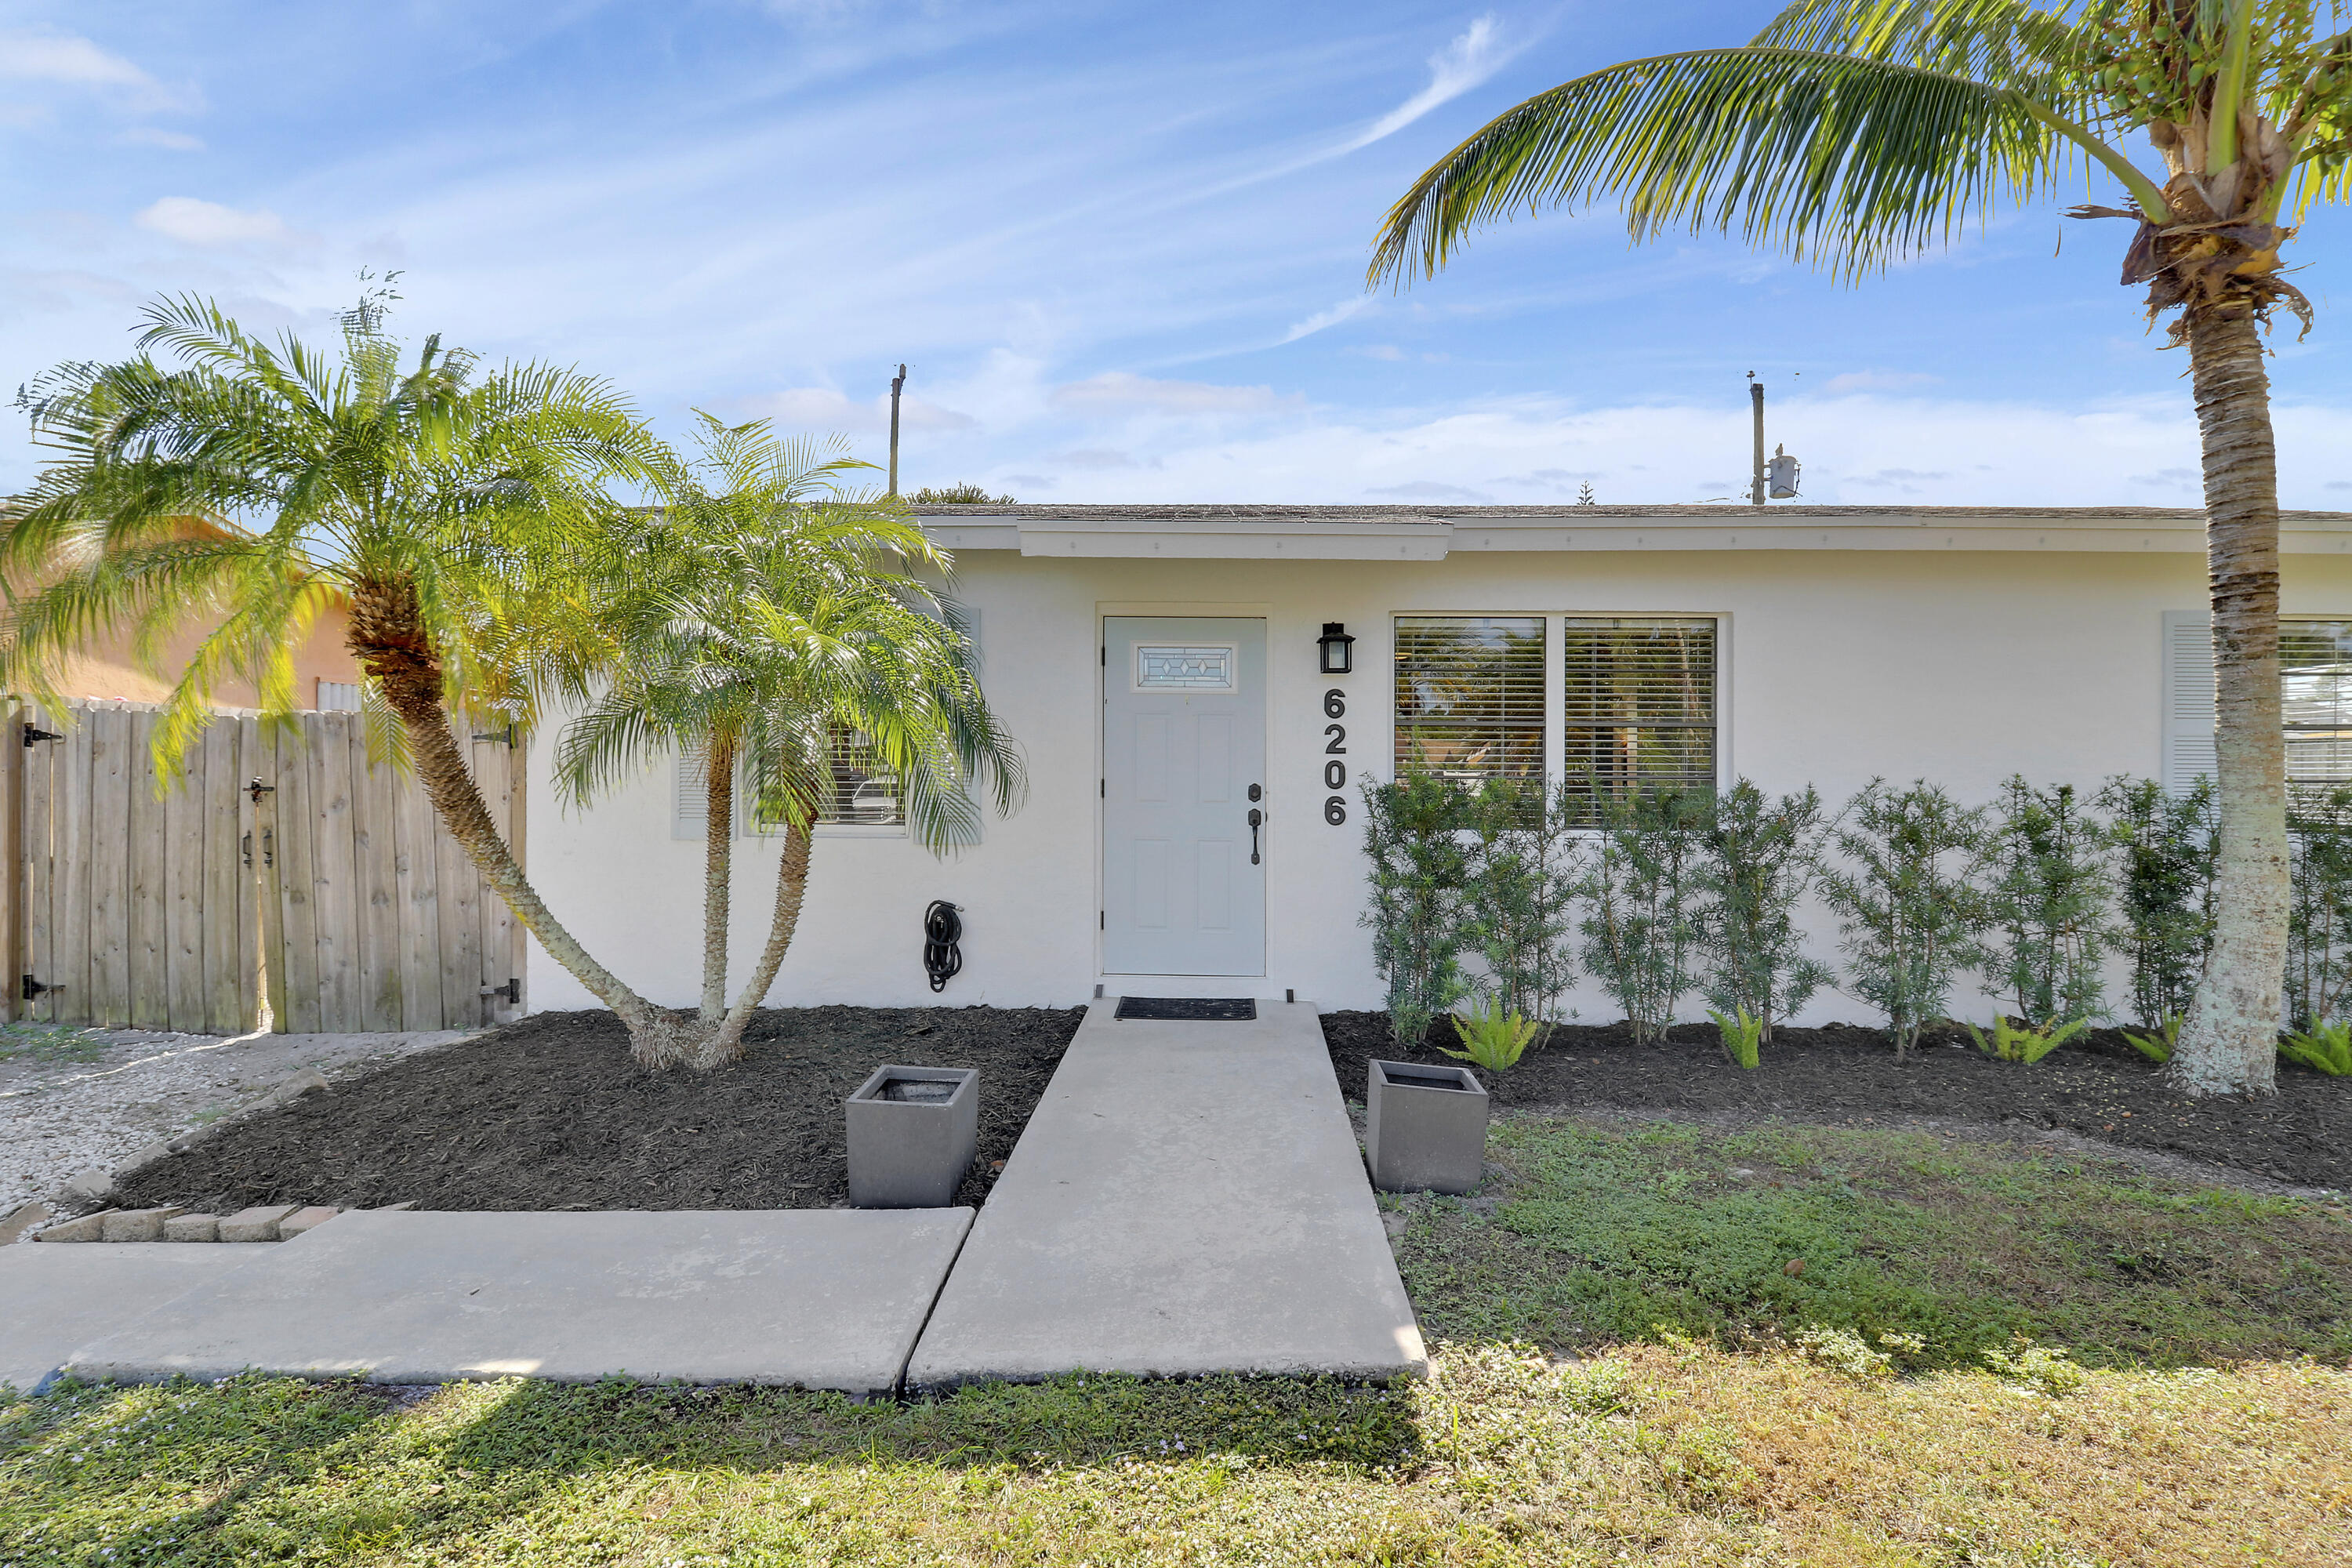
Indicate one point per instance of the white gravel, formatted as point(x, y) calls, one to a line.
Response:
point(60, 1117)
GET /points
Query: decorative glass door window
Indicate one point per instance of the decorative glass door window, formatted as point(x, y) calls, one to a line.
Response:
point(1163, 668)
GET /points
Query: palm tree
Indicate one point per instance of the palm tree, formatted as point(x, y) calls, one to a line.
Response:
point(1854, 133)
point(775, 626)
point(437, 503)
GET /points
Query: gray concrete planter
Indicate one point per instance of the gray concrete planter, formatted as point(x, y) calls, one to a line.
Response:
point(1424, 1127)
point(912, 1135)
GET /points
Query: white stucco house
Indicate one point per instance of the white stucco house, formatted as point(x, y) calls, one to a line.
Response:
point(1161, 667)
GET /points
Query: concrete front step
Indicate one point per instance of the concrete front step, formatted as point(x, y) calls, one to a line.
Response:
point(53, 1298)
point(1188, 1198)
point(814, 1298)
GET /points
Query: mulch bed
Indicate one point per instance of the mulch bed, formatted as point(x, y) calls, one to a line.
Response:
point(2095, 1086)
point(551, 1113)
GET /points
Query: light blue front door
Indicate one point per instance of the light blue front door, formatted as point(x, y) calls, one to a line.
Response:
point(1184, 768)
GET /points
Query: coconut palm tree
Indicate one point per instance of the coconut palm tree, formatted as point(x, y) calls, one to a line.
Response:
point(777, 626)
point(1854, 132)
point(448, 508)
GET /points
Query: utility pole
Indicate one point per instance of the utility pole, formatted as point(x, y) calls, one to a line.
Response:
point(898, 382)
point(1755, 397)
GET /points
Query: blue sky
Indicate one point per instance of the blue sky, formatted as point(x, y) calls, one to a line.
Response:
point(1122, 246)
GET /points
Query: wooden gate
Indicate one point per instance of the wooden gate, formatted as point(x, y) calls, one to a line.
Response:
point(131, 909)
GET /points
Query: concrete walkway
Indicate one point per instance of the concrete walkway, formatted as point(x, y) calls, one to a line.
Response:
point(54, 1298)
point(1188, 1198)
point(810, 1298)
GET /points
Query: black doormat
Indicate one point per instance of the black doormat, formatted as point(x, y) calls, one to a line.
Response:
point(1191, 1009)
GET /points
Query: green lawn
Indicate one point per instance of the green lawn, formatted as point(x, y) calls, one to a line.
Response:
point(1745, 1416)
point(1597, 1233)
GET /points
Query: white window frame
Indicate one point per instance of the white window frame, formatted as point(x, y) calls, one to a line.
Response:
point(1555, 747)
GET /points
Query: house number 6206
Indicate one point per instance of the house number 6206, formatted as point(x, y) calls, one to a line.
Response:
point(1335, 772)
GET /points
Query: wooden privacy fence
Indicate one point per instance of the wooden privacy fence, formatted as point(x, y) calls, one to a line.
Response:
point(131, 909)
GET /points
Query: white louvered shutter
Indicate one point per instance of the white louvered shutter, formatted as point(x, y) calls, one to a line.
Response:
point(689, 807)
point(2187, 698)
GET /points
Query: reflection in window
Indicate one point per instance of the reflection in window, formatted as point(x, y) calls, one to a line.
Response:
point(1470, 697)
point(2315, 695)
point(1639, 704)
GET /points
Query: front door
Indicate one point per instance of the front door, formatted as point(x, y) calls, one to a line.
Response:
point(1183, 772)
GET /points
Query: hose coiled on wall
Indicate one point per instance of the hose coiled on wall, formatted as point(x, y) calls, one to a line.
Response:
point(942, 929)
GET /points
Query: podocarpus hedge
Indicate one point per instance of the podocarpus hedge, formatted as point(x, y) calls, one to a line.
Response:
point(1673, 892)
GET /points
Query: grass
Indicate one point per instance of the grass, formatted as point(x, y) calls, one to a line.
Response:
point(49, 1043)
point(2211, 1421)
point(1594, 1234)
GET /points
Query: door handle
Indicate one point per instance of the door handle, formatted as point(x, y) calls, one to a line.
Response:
point(1256, 817)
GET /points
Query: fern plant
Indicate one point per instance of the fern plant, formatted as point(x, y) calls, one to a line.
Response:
point(2023, 1042)
point(2158, 1045)
point(2322, 1048)
point(1743, 1036)
point(1491, 1038)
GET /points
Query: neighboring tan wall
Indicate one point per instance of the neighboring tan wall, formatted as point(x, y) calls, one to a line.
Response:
point(110, 671)
point(1960, 667)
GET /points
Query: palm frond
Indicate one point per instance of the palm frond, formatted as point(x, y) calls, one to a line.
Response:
point(1849, 163)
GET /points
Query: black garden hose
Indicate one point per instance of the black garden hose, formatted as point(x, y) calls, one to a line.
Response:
point(941, 931)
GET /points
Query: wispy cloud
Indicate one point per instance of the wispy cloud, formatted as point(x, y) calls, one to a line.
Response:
point(1322, 319)
point(1120, 392)
point(1463, 64)
point(210, 225)
point(154, 136)
point(66, 59)
point(36, 56)
point(826, 408)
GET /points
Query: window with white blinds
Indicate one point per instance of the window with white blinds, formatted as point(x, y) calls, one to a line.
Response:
point(1470, 696)
point(2315, 700)
point(1639, 705)
point(860, 792)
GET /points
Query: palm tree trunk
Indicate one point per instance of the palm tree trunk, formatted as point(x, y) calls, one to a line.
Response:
point(2229, 1045)
point(717, 867)
point(726, 1045)
point(387, 637)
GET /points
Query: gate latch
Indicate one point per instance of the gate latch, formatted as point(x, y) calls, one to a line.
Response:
point(35, 735)
point(511, 992)
point(32, 988)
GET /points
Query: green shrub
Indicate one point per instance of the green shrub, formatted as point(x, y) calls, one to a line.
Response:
point(2023, 1042)
point(1909, 909)
point(1522, 881)
point(1491, 1038)
point(2049, 903)
point(1419, 870)
point(2319, 904)
point(2165, 897)
point(1639, 927)
point(1743, 1036)
point(1758, 858)
point(2159, 1046)
point(2325, 1048)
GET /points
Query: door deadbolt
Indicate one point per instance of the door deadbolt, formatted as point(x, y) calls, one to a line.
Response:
point(1255, 792)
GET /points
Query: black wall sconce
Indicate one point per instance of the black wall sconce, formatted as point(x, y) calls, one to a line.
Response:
point(1338, 649)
